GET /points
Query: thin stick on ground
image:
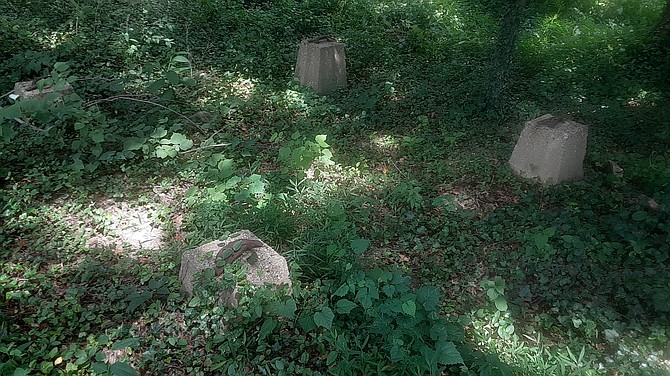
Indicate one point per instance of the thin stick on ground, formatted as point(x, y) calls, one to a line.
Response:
point(6, 94)
point(129, 98)
point(205, 147)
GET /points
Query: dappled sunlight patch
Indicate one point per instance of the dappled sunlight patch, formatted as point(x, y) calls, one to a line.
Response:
point(292, 99)
point(118, 226)
point(643, 98)
point(226, 89)
point(335, 176)
point(384, 143)
point(129, 226)
point(56, 38)
point(123, 226)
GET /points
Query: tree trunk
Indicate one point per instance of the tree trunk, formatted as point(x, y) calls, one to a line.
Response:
point(506, 45)
point(663, 26)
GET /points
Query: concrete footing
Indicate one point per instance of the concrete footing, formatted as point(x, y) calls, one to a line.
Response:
point(322, 64)
point(550, 149)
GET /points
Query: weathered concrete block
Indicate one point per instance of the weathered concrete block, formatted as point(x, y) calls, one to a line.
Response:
point(550, 149)
point(263, 264)
point(322, 64)
point(29, 90)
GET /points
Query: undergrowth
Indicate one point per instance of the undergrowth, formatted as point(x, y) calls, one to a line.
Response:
point(413, 248)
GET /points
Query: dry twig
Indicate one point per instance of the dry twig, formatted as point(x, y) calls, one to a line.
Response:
point(127, 97)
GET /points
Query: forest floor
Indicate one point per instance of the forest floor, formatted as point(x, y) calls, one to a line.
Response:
point(414, 249)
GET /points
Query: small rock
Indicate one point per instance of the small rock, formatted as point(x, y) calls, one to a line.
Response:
point(29, 90)
point(648, 202)
point(615, 168)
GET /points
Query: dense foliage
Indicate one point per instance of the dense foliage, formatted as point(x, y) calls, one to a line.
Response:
point(413, 248)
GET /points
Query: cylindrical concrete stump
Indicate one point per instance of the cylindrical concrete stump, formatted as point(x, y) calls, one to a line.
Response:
point(321, 64)
point(550, 149)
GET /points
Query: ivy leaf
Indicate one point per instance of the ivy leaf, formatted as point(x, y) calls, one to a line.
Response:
point(639, 216)
point(159, 133)
point(77, 165)
point(409, 308)
point(226, 168)
point(321, 140)
point(501, 303)
point(61, 66)
point(188, 81)
point(287, 309)
point(96, 150)
point(180, 59)
point(324, 318)
point(7, 132)
point(342, 291)
point(307, 323)
point(345, 306)
point(186, 144)
point(156, 86)
point(133, 143)
point(332, 357)
point(11, 112)
point(172, 77)
point(360, 245)
point(267, 328)
point(122, 369)
point(257, 188)
point(128, 342)
point(448, 354)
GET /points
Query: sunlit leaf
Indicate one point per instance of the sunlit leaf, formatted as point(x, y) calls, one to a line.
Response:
point(501, 303)
point(321, 140)
point(180, 59)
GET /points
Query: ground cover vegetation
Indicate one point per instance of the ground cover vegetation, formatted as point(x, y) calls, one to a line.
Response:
point(413, 248)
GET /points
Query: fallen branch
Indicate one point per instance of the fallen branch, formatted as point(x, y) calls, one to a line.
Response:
point(28, 124)
point(4, 95)
point(205, 147)
point(130, 98)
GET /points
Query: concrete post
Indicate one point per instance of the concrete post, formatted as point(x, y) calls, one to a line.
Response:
point(550, 149)
point(321, 64)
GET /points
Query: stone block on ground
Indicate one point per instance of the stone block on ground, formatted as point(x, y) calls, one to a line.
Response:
point(29, 90)
point(322, 64)
point(550, 149)
point(263, 264)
